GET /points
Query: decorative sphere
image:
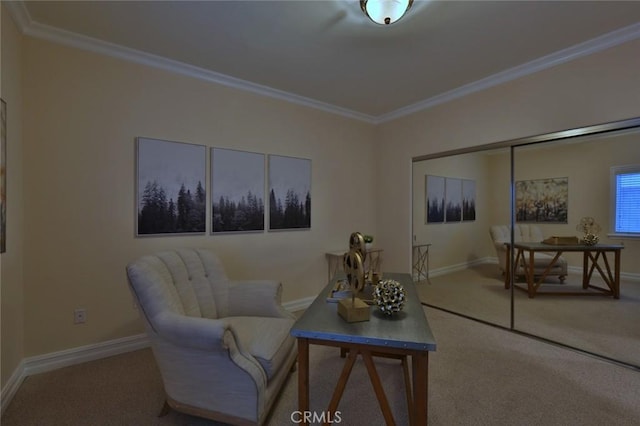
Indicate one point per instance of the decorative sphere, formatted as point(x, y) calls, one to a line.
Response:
point(389, 296)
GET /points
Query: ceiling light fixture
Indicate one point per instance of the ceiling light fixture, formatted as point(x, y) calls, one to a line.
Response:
point(385, 12)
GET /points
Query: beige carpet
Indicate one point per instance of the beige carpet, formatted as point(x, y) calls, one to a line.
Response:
point(479, 375)
point(597, 324)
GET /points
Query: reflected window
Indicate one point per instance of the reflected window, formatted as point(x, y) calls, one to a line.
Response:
point(625, 187)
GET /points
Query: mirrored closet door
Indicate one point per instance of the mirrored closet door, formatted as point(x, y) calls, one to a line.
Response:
point(456, 200)
point(564, 188)
point(463, 207)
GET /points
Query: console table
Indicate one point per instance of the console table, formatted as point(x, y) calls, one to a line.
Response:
point(334, 261)
point(406, 336)
point(421, 261)
point(593, 256)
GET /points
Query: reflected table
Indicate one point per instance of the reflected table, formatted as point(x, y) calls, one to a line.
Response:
point(594, 258)
point(404, 336)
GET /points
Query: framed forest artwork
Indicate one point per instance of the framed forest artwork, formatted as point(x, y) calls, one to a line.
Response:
point(237, 188)
point(435, 206)
point(289, 193)
point(468, 200)
point(170, 191)
point(453, 200)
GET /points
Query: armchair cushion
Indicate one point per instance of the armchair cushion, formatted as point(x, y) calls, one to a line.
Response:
point(190, 332)
point(267, 339)
point(255, 298)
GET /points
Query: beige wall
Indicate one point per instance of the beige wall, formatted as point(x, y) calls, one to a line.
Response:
point(11, 278)
point(595, 89)
point(86, 110)
point(73, 165)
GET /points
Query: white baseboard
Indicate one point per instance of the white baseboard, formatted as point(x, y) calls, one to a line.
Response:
point(459, 267)
point(12, 386)
point(53, 361)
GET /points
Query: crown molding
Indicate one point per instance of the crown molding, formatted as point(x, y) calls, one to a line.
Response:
point(19, 13)
point(31, 28)
point(79, 41)
point(586, 48)
point(56, 35)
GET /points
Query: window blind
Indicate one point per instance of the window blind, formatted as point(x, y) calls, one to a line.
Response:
point(628, 203)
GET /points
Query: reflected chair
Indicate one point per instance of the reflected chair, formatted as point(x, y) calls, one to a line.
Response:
point(223, 347)
point(501, 234)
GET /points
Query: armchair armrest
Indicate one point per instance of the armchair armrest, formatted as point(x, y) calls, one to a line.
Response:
point(256, 298)
point(501, 245)
point(191, 332)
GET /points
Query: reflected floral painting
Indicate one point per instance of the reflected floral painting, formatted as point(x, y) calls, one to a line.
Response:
point(542, 200)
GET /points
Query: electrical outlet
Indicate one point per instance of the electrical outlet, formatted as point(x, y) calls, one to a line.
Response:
point(79, 316)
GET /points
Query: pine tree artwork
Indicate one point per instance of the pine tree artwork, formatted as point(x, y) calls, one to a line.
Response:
point(237, 182)
point(289, 193)
point(171, 197)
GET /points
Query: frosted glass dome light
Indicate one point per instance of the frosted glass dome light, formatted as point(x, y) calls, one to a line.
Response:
point(385, 12)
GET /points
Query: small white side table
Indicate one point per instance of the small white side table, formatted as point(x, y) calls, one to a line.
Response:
point(421, 262)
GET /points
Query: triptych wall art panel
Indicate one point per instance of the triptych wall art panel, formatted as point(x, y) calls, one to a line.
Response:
point(171, 193)
point(435, 199)
point(449, 199)
point(171, 197)
point(468, 200)
point(289, 193)
point(542, 200)
point(237, 182)
point(453, 200)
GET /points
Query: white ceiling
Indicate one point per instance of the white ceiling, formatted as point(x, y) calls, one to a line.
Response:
point(329, 54)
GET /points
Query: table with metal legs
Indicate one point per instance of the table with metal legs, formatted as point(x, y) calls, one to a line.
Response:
point(406, 337)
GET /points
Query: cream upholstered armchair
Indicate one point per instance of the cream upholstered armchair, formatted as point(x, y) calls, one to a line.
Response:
point(223, 347)
point(501, 234)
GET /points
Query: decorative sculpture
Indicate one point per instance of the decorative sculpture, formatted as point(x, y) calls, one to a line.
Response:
point(354, 309)
point(389, 296)
point(357, 243)
point(590, 229)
